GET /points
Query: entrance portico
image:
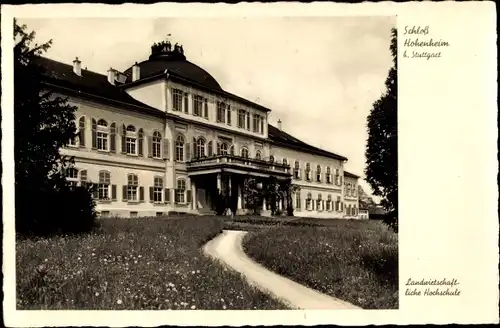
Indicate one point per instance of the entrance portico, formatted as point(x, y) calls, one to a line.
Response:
point(226, 175)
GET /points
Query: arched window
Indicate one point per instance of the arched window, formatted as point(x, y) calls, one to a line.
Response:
point(200, 147)
point(319, 203)
point(102, 134)
point(210, 148)
point(244, 152)
point(132, 186)
point(329, 203)
point(104, 185)
point(72, 176)
point(223, 149)
point(258, 155)
point(180, 191)
point(308, 172)
point(157, 189)
point(156, 144)
point(179, 149)
point(271, 159)
point(328, 175)
point(296, 170)
point(131, 140)
point(318, 173)
point(309, 201)
point(231, 150)
point(285, 162)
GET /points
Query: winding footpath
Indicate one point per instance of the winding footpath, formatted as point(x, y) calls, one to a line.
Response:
point(227, 248)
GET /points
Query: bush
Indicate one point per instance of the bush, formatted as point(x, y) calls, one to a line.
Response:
point(67, 210)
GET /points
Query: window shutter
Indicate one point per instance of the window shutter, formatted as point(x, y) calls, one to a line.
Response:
point(150, 146)
point(95, 191)
point(166, 149)
point(81, 136)
point(218, 148)
point(94, 134)
point(167, 195)
point(210, 148)
point(124, 193)
point(141, 145)
point(261, 125)
point(205, 114)
point(188, 151)
point(186, 103)
point(248, 120)
point(188, 196)
point(141, 193)
point(124, 138)
point(151, 192)
point(228, 114)
point(113, 192)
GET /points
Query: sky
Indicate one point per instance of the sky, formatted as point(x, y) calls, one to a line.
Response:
point(318, 75)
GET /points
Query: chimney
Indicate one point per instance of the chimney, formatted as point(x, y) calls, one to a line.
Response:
point(111, 75)
point(136, 72)
point(77, 67)
point(279, 125)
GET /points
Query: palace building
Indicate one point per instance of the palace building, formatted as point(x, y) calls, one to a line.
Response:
point(163, 136)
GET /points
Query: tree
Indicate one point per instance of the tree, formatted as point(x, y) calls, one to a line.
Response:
point(287, 189)
point(381, 150)
point(252, 193)
point(43, 124)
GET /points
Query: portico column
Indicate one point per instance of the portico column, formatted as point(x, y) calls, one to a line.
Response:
point(193, 191)
point(229, 185)
point(239, 197)
point(219, 183)
point(264, 204)
point(279, 204)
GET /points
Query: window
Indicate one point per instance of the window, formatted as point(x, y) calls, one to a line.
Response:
point(159, 214)
point(72, 176)
point(285, 162)
point(210, 148)
point(180, 191)
point(179, 149)
point(241, 118)
point(200, 147)
point(231, 150)
point(81, 131)
point(258, 155)
point(244, 152)
point(337, 177)
point(248, 120)
point(103, 186)
point(131, 140)
point(271, 159)
point(132, 186)
point(318, 173)
point(157, 189)
point(198, 106)
point(308, 172)
point(329, 203)
point(102, 135)
point(328, 175)
point(297, 200)
point(223, 149)
point(156, 143)
point(296, 170)
point(309, 202)
point(256, 123)
point(319, 203)
point(177, 100)
point(133, 214)
point(221, 112)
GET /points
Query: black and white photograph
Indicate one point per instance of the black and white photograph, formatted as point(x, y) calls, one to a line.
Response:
point(241, 166)
point(176, 168)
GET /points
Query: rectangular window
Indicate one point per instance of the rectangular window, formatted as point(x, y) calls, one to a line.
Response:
point(177, 100)
point(261, 125)
point(241, 118)
point(131, 146)
point(221, 112)
point(248, 120)
point(103, 191)
point(255, 122)
point(198, 106)
point(186, 103)
point(102, 141)
point(157, 190)
point(133, 214)
point(179, 196)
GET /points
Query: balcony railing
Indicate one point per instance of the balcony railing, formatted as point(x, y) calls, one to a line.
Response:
point(238, 161)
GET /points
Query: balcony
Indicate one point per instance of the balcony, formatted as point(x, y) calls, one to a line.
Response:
point(236, 164)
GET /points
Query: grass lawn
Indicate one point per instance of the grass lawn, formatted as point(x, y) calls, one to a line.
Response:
point(356, 261)
point(132, 264)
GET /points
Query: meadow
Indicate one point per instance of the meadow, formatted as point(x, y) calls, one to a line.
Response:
point(353, 260)
point(132, 264)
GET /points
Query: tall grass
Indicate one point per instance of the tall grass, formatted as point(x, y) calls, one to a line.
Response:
point(132, 264)
point(356, 261)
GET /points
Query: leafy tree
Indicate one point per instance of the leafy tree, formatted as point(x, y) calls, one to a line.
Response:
point(287, 189)
point(252, 193)
point(381, 150)
point(43, 124)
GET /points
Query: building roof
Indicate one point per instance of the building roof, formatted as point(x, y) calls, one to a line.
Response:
point(350, 175)
point(96, 85)
point(279, 137)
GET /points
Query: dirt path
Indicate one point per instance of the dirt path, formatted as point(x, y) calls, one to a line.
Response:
point(227, 248)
